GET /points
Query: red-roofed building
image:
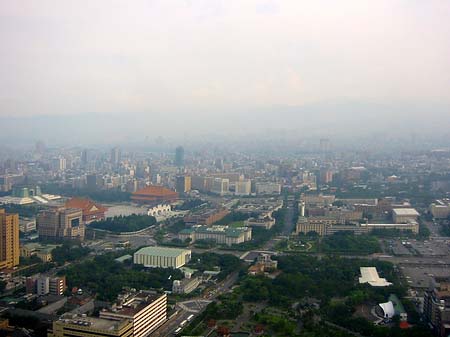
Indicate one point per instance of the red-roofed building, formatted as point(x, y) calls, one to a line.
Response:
point(154, 194)
point(91, 210)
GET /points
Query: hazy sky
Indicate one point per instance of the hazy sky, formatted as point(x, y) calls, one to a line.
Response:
point(188, 60)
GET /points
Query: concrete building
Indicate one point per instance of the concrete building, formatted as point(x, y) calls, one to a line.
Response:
point(440, 209)
point(116, 156)
point(59, 164)
point(404, 215)
point(70, 325)
point(61, 223)
point(91, 210)
point(57, 285)
point(266, 222)
point(267, 188)
point(410, 226)
point(183, 184)
point(243, 187)
point(147, 311)
point(205, 217)
point(220, 234)
point(9, 240)
point(42, 285)
point(220, 186)
point(162, 257)
point(179, 156)
point(436, 307)
point(185, 286)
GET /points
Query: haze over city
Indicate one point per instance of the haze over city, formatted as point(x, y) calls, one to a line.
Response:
point(225, 168)
point(110, 71)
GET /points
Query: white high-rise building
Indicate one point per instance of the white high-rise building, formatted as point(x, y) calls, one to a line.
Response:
point(220, 186)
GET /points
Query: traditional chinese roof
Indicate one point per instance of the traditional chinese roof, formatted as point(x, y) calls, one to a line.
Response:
point(87, 206)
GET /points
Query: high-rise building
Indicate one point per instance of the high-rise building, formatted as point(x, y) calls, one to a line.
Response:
point(60, 223)
point(93, 181)
point(324, 145)
point(85, 157)
point(183, 184)
point(220, 186)
point(9, 240)
point(69, 325)
point(59, 164)
point(115, 156)
point(243, 187)
point(179, 156)
point(147, 311)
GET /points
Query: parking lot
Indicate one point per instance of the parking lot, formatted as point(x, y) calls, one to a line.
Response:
point(421, 276)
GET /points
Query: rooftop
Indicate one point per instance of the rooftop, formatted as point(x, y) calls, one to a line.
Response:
point(162, 251)
point(405, 211)
point(370, 275)
point(93, 322)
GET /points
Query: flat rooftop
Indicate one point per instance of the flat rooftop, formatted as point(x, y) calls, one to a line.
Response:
point(94, 323)
point(405, 211)
point(162, 251)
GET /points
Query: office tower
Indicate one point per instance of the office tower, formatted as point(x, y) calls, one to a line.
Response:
point(59, 164)
point(183, 184)
point(220, 186)
point(93, 181)
point(146, 310)
point(60, 223)
point(40, 147)
point(324, 145)
point(70, 325)
point(179, 156)
point(9, 240)
point(84, 157)
point(243, 187)
point(115, 156)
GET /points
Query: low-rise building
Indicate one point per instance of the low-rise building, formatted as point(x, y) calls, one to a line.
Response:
point(44, 252)
point(43, 285)
point(404, 215)
point(185, 286)
point(266, 223)
point(220, 234)
point(162, 257)
point(267, 188)
point(412, 226)
point(205, 217)
point(440, 209)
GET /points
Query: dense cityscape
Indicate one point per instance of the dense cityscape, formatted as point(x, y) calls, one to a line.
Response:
point(225, 168)
point(132, 243)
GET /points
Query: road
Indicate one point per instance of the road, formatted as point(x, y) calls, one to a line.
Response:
point(195, 306)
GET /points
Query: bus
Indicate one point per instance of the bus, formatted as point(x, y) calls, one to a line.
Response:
point(183, 323)
point(190, 318)
point(177, 331)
